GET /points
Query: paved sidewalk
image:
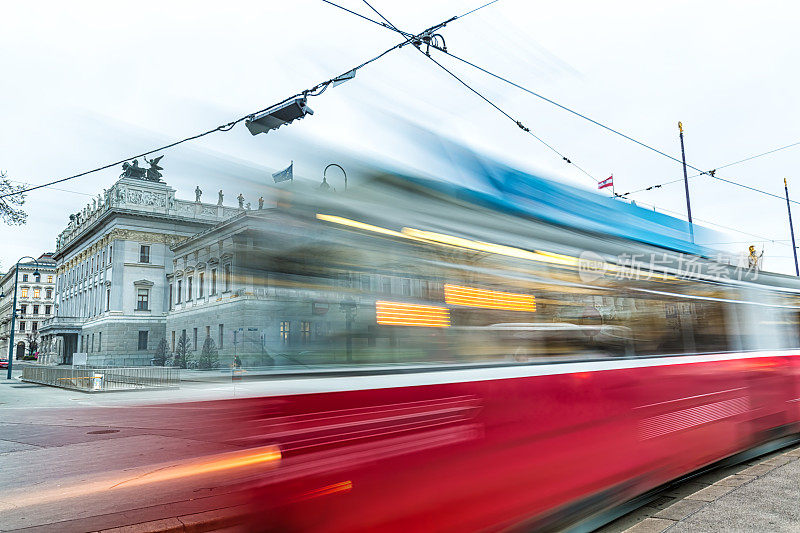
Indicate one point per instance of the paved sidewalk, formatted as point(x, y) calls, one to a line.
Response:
point(761, 497)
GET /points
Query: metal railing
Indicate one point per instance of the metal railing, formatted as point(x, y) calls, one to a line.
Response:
point(99, 379)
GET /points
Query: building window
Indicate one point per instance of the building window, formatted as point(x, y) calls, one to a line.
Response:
point(49, 279)
point(35, 309)
point(34, 326)
point(286, 330)
point(108, 299)
point(227, 277)
point(23, 309)
point(48, 293)
point(46, 309)
point(22, 325)
point(213, 281)
point(173, 342)
point(406, 287)
point(99, 341)
point(91, 346)
point(144, 253)
point(189, 288)
point(24, 277)
point(110, 249)
point(142, 340)
point(208, 331)
point(365, 284)
point(37, 293)
point(142, 299)
point(180, 289)
point(37, 278)
point(220, 336)
point(305, 331)
point(200, 282)
point(194, 339)
point(23, 292)
point(170, 295)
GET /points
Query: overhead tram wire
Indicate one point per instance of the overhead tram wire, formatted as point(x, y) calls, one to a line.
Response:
point(576, 113)
point(391, 26)
point(382, 24)
point(518, 123)
point(553, 102)
point(680, 180)
point(314, 91)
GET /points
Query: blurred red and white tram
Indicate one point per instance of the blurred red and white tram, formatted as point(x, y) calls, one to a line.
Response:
point(467, 387)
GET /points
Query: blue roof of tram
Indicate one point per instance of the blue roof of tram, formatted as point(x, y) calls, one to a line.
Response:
point(484, 181)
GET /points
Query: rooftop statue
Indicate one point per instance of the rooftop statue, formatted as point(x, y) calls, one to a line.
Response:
point(153, 173)
point(133, 170)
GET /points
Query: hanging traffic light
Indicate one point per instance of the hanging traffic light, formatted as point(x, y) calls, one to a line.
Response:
point(278, 115)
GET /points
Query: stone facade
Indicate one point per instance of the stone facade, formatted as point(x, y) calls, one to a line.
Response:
point(112, 265)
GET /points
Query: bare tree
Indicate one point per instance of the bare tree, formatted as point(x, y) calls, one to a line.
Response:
point(10, 213)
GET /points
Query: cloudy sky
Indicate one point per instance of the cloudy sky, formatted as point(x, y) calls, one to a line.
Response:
point(88, 83)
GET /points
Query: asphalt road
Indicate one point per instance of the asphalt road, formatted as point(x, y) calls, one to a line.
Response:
point(74, 461)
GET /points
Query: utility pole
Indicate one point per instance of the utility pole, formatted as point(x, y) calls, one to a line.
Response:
point(791, 227)
point(686, 185)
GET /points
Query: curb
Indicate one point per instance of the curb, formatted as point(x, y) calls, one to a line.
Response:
point(231, 518)
point(701, 498)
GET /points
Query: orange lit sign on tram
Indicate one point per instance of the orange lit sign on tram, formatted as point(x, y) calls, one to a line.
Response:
point(486, 299)
point(402, 314)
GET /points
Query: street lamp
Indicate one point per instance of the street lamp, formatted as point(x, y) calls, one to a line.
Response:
point(14, 311)
point(324, 179)
point(278, 115)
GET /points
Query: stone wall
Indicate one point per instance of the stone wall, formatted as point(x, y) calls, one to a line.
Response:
point(120, 341)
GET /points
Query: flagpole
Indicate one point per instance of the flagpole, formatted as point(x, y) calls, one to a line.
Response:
point(686, 185)
point(791, 228)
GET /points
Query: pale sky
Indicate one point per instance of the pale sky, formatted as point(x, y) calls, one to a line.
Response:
point(88, 83)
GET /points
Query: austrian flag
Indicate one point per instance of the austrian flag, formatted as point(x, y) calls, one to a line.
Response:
point(608, 182)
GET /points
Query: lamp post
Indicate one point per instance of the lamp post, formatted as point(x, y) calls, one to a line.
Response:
point(14, 311)
point(324, 172)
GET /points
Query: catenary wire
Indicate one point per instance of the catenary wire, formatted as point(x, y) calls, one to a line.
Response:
point(519, 124)
point(680, 180)
point(224, 127)
point(479, 94)
point(701, 172)
point(382, 24)
point(512, 119)
point(394, 28)
point(230, 125)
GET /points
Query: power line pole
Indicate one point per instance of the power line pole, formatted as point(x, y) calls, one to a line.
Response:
point(686, 184)
point(791, 227)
